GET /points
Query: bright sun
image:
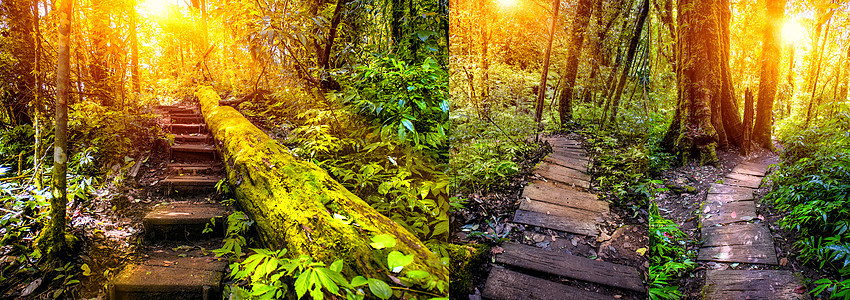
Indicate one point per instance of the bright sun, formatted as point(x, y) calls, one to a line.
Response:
point(793, 32)
point(155, 7)
point(507, 3)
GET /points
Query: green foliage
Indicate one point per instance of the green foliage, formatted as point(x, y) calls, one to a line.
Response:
point(268, 274)
point(16, 142)
point(624, 170)
point(237, 224)
point(811, 185)
point(668, 259)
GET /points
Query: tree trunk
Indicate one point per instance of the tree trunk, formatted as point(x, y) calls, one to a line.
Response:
point(38, 106)
point(52, 239)
point(817, 63)
point(692, 134)
point(324, 58)
point(728, 123)
point(746, 144)
point(630, 54)
point(769, 78)
point(298, 206)
point(134, 46)
point(846, 82)
point(579, 27)
point(541, 91)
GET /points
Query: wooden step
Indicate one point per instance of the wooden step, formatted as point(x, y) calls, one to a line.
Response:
point(751, 168)
point(190, 183)
point(193, 119)
point(726, 198)
point(741, 243)
point(583, 225)
point(559, 194)
point(195, 277)
point(553, 172)
point(571, 266)
point(717, 188)
point(181, 220)
point(188, 128)
point(752, 284)
point(193, 152)
point(568, 162)
point(201, 168)
point(731, 212)
point(193, 138)
point(557, 210)
point(504, 284)
point(742, 180)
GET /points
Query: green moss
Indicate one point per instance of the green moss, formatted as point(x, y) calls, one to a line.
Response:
point(465, 259)
point(293, 201)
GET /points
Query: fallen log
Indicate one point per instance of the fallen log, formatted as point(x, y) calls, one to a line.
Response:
point(298, 206)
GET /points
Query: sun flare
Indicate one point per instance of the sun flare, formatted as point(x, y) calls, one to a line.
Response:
point(507, 3)
point(155, 7)
point(793, 32)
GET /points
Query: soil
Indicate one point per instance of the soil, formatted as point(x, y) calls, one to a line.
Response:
point(683, 208)
point(623, 231)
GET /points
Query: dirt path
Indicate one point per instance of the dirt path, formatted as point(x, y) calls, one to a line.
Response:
point(733, 233)
point(560, 200)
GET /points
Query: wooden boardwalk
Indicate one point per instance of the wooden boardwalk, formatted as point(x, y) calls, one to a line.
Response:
point(733, 232)
point(559, 201)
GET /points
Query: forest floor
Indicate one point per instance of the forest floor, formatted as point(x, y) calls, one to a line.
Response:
point(684, 208)
point(487, 219)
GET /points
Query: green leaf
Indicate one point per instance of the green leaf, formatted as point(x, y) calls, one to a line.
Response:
point(86, 270)
point(418, 274)
point(336, 266)
point(407, 124)
point(382, 241)
point(396, 261)
point(358, 281)
point(380, 288)
point(302, 283)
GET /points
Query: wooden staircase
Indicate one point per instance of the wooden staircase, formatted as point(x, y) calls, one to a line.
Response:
point(559, 201)
point(175, 261)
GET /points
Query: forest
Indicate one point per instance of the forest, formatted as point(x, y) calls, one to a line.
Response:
point(399, 149)
point(679, 149)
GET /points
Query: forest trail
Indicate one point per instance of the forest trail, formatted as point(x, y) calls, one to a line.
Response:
point(174, 261)
point(733, 232)
point(560, 201)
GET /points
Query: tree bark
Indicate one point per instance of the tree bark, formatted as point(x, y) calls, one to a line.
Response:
point(816, 68)
point(630, 54)
point(692, 134)
point(52, 238)
point(541, 92)
point(728, 120)
point(298, 206)
point(579, 27)
point(769, 78)
point(134, 46)
point(746, 144)
point(846, 82)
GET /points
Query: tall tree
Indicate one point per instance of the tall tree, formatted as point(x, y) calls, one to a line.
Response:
point(769, 78)
point(630, 55)
point(134, 48)
point(52, 239)
point(579, 27)
point(541, 92)
point(691, 134)
point(846, 81)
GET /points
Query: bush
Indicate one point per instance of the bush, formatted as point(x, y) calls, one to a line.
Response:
point(668, 258)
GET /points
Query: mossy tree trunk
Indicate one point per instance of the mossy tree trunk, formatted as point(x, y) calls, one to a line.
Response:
point(579, 27)
point(769, 78)
point(692, 135)
point(298, 206)
point(630, 55)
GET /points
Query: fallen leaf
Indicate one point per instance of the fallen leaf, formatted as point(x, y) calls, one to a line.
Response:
point(497, 250)
point(31, 287)
point(783, 261)
point(618, 296)
point(707, 209)
point(800, 290)
point(641, 251)
point(761, 217)
point(734, 215)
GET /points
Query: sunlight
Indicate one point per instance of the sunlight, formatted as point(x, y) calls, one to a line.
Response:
point(507, 3)
point(793, 32)
point(155, 7)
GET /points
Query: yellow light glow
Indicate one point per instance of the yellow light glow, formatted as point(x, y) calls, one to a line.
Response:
point(793, 32)
point(507, 3)
point(154, 7)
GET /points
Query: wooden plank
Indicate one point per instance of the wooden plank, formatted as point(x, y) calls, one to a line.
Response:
point(557, 210)
point(570, 266)
point(567, 162)
point(752, 284)
point(727, 213)
point(565, 196)
point(569, 151)
point(743, 243)
point(751, 168)
point(504, 284)
point(577, 226)
point(742, 180)
point(570, 154)
point(726, 198)
point(717, 188)
point(564, 175)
